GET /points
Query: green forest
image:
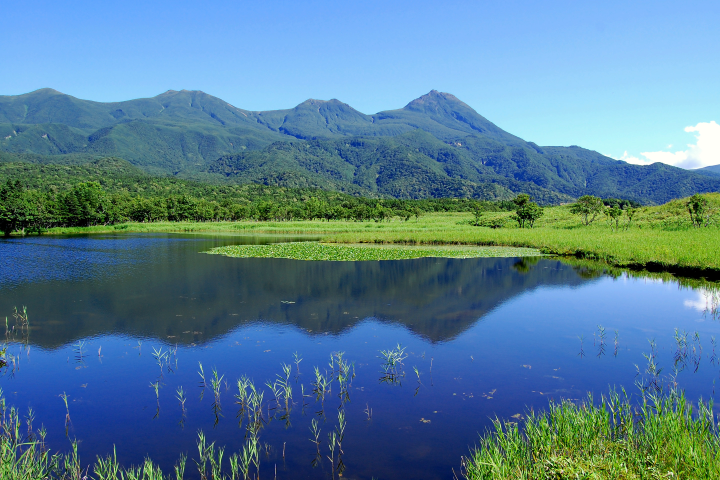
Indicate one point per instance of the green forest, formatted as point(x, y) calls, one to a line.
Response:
point(110, 191)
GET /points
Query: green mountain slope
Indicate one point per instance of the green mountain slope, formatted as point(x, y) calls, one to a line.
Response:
point(712, 171)
point(434, 146)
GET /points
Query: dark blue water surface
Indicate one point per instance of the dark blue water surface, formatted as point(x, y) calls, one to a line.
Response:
point(489, 337)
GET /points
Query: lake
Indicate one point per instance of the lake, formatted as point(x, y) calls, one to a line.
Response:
point(113, 317)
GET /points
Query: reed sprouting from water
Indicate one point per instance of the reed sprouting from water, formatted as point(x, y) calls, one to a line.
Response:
point(321, 385)
point(392, 364)
point(663, 437)
point(20, 330)
point(156, 387)
point(67, 411)
point(297, 359)
point(162, 358)
point(616, 342)
point(79, 351)
point(601, 340)
point(216, 382)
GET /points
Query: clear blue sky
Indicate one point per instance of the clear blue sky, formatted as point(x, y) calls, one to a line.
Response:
point(613, 76)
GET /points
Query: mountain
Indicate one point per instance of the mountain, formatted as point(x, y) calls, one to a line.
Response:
point(435, 146)
point(713, 171)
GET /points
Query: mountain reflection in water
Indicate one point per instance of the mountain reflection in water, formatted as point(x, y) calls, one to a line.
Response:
point(161, 286)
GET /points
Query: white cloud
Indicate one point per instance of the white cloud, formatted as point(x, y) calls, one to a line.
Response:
point(705, 301)
point(704, 153)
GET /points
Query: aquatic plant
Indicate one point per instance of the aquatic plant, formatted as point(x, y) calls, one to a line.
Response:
point(353, 253)
point(651, 379)
point(201, 372)
point(321, 385)
point(392, 364)
point(601, 338)
point(216, 383)
point(180, 395)
point(297, 359)
point(616, 342)
point(162, 358)
point(368, 411)
point(64, 396)
point(78, 350)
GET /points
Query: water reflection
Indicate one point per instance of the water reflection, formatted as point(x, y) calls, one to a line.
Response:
point(142, 333)
point(162, 287)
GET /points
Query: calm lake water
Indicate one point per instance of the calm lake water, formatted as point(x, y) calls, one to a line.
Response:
point(489, 337)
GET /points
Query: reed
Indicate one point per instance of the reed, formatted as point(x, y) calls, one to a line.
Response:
point(297, 359)
point(601, 340)
point(180, 395)
point(156, 387)
point(203, 382)
point(79, 351)
point(392, 365)
point(616, 342)
point(162, 358)
point(216, 383)
point(25, 457)
point(662, 437)
point(368, 412)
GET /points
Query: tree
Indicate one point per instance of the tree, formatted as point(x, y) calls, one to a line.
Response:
point(527, 211)
point(588, 207)
point(477, 210)
point(630, 213)
point(614, 213)
point(20, 209)
point(698, 208)
point(85, 205)
point(417, 212)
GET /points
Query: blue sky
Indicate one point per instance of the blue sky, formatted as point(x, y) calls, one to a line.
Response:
point(618, 77)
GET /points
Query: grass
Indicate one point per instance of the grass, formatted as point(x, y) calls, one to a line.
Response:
point(659, 238)
point(663, 438)
point(335, 252)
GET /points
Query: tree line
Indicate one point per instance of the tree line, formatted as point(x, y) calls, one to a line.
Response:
point(29, 210)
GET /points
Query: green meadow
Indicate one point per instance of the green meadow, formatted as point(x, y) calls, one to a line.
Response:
point(658, 238)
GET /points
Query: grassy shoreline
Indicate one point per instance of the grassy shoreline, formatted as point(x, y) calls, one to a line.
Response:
point(660, 238)
point(665, 437)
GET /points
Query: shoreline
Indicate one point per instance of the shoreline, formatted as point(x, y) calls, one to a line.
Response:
point(688, 252)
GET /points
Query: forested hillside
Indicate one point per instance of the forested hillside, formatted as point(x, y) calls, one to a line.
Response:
point(34, 197)
point(435, 146)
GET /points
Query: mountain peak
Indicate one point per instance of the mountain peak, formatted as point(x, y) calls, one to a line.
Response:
point(43, 91)
point(315, 101)
point(434, 98)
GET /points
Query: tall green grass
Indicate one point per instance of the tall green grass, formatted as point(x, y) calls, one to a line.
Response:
point(662, 438)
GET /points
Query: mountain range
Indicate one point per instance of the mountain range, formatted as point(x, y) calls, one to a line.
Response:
point(435, 146)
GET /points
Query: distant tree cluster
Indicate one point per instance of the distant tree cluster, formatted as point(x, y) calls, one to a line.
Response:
point(589, 208)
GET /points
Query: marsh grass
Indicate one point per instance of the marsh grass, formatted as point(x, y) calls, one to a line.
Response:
point(663, 437)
